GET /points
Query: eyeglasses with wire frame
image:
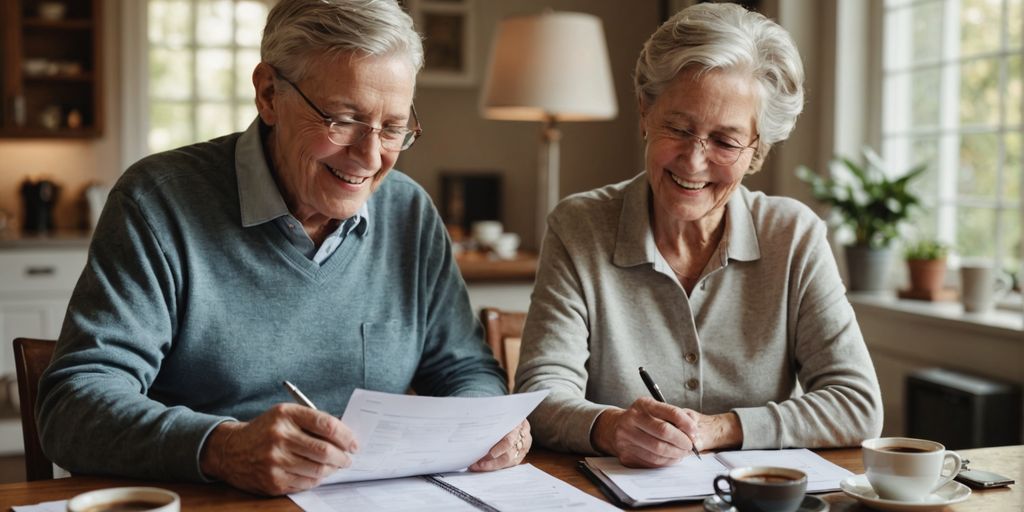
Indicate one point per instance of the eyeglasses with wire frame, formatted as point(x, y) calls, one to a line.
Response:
point(346, 132)
point(718, 149)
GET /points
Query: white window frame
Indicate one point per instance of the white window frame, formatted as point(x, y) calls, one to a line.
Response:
point(135, 99)
point(949, 131)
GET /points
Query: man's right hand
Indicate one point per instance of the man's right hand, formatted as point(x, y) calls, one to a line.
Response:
point(287, 449)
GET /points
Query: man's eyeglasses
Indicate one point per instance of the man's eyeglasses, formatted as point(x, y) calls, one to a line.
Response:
point(718, 150)
point(345, 132)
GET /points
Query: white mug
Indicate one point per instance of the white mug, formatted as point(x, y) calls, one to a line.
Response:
point(486, 232)
point(980, 285)
point(155, 498)
point(907, 469)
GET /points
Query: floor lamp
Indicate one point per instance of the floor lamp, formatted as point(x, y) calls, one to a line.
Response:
point(552, 67)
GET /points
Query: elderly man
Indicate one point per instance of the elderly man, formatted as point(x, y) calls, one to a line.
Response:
point(289, 251)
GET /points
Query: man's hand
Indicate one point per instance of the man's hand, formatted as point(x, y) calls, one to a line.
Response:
point(287, 449)
point(507, 452)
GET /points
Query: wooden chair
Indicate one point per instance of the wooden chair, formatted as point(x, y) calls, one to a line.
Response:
point(31, 357)
point(504, 331)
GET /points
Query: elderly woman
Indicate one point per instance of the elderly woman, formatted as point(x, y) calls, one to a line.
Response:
point(289, 251)
point(731, 299)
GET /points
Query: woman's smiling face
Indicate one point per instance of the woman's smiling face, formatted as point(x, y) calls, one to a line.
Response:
point(718, 106)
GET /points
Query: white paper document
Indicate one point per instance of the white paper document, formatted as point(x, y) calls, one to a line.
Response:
point(405, 435)
point(519, 488)
point(693, 478)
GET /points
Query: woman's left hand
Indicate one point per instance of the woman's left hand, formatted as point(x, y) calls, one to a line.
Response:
point(507, 452)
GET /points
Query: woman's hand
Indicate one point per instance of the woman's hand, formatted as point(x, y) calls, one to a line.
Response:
point(648, 434)
point(287, 449)
point(655, 434)
point(507, 452)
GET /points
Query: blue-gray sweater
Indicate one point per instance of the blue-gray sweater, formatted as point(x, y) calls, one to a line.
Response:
point(184, 318)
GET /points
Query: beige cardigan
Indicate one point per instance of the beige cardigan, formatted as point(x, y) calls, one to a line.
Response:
point(768, 317)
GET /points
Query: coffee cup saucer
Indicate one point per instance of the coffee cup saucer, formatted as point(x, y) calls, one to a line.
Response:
point(858, 488)
point(811, 503)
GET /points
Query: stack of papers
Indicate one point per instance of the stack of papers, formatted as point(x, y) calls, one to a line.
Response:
point(693, 479)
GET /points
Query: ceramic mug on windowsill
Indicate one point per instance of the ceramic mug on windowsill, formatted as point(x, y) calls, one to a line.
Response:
point(981, 285)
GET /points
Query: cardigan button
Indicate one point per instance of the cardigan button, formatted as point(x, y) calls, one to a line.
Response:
point(692, 384)
point(691, 358)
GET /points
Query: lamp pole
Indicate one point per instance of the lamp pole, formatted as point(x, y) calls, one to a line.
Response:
point(547, 176)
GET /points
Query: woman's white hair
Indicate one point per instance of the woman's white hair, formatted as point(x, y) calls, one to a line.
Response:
point(299, 30)
point(714, 36)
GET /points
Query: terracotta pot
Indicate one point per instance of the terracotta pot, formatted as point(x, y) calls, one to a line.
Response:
point(927, 275)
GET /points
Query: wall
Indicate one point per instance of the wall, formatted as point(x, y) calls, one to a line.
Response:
point(73, 164)
point(592, 153)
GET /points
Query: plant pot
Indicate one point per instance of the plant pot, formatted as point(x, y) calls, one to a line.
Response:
point(927, 275)
point(867, 268)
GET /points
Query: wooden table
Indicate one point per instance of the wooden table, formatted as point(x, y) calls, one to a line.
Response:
point(1008, 461)
point(478, 266)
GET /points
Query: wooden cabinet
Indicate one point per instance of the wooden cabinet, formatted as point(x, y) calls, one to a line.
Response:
point(52, 68)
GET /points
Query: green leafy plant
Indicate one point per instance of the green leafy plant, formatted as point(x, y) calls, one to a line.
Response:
point(926, 250)
point(864, 197)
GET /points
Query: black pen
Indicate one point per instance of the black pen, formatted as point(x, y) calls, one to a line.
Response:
point(656, 393)
point(297, 395)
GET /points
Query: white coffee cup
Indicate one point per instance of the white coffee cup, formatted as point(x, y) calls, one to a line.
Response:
point(103, 500)
point(506, 245)
point(907, 469)
point(486, 232)
point(980, 285)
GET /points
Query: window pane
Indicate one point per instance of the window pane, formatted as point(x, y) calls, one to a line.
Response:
point(213, 67)
point(249, 20)
point(898, 38)
point(1013, 169)
point(170, 74)
point(926, 151)
point(979, 92)
point(245, 114)
point(975, 233)
point(213, 22)
point(245, 62)
point(979, 22)
point(1016, 23)
point(170, 125)
point(979, 161)
point(927, 35)
point(926, 84)
point(1011, 245)
point(169, 23)
point(1014, 90)
point(214, 120)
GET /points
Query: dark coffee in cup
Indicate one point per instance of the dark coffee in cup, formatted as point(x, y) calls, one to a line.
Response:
point(125, 506)
point(903, 449)
point(765, 478)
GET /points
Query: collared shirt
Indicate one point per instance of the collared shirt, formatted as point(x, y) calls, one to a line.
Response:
point(261, 201)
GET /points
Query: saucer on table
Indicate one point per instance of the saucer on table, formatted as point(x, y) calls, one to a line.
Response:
point(857, 487)
point(811, 503)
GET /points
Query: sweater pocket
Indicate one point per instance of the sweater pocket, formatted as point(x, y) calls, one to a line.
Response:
point(389, 361)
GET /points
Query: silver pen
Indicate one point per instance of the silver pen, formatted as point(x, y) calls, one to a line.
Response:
point(298, 396)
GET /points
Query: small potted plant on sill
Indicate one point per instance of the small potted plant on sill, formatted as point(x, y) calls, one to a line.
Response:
point(926, 263)
point(865, 199)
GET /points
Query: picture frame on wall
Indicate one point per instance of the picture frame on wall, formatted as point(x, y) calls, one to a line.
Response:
point(447, 27)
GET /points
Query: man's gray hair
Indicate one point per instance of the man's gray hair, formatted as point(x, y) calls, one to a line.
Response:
point(711, 36)
point(299, 30)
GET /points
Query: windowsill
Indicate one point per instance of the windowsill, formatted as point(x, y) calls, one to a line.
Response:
point(1000, 321)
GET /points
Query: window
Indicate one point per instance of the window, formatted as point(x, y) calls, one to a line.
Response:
point(952, 97)
point(194, 70)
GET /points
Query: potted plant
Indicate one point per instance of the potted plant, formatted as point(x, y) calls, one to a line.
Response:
point(926, 262)
point(873, 205)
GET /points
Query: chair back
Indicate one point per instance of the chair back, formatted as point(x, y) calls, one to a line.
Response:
point(31, 357)
point(504, 332)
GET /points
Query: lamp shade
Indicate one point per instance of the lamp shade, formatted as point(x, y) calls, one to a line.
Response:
point(550, 65)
